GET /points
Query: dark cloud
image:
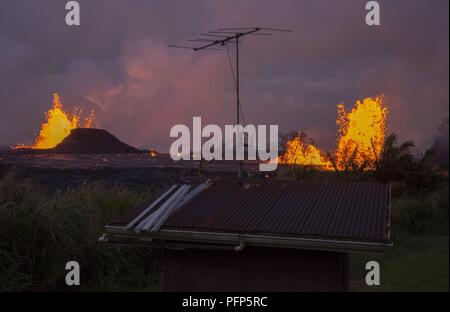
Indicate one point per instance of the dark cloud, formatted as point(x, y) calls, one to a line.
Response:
point(117, 62)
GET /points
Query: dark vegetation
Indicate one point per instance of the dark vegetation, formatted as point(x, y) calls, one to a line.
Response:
point(51, 216)
point(40, 232)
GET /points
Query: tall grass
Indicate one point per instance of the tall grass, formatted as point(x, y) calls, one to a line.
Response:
point(39, 233)
point(422, 213)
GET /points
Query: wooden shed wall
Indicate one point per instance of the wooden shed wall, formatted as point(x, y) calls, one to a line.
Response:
point(256, 269)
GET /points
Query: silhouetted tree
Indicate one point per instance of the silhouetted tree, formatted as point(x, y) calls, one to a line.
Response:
point(395, 160)
point(348, 161)
point(440, 145)
point(423, 175)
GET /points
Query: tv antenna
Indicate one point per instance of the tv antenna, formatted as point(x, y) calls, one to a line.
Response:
point(214, 40)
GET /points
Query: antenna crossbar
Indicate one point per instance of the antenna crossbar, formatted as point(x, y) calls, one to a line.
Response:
point(222, 37)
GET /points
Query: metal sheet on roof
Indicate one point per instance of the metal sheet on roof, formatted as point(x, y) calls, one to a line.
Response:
point(332, 210)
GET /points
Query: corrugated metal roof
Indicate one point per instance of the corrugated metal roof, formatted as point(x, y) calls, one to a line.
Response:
point(329, 210)
point(133, 213)
point(356, 211)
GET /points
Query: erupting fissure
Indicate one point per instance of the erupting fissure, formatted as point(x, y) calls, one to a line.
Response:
point(58, 125)
point(361, 134)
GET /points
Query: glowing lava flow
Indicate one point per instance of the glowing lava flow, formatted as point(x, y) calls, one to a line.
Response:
point(361, 135)
point(57, 126)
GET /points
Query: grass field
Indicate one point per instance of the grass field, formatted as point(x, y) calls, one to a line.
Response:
point(415, 263)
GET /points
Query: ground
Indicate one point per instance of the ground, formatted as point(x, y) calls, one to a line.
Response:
point(415, 263)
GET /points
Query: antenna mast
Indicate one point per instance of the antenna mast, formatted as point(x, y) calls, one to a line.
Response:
point(222, 37)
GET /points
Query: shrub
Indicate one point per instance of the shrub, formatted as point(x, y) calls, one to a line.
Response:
point(39, 233)
point(422, 213)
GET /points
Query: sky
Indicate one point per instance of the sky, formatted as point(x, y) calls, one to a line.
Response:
point(118, 63)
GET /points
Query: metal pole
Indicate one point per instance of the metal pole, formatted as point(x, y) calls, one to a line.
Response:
point(238, 141)
point(226, 35)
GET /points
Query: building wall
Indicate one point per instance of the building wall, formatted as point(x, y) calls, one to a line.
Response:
point(255, 269)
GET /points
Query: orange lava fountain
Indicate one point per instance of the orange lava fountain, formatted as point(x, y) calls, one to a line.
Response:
point(57, 125)
point(361, 135)
point(301, 153)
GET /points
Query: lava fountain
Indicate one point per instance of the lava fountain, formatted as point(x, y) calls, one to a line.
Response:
point(57, 125)
point(361, 135)
point(298, 152)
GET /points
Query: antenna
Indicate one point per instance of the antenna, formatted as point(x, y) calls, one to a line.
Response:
point(214, 40)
